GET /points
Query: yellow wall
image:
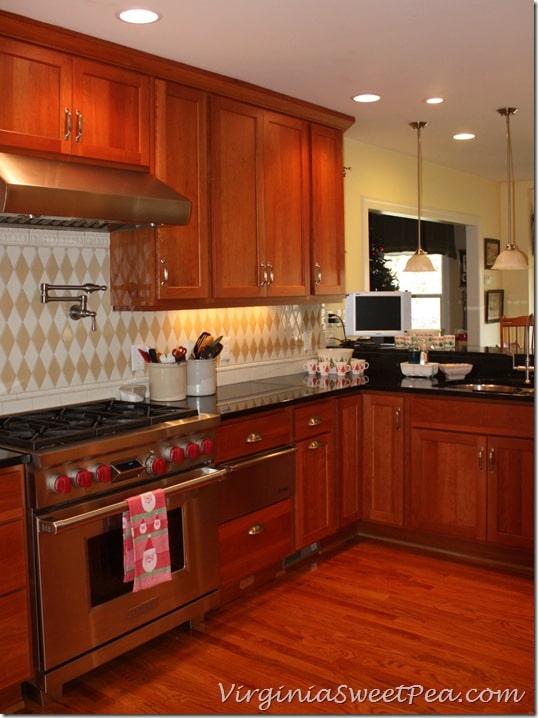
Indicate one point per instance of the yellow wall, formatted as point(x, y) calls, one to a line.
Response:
point(375, 175)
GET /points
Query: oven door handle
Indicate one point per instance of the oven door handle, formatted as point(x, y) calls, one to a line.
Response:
point(257, 458)
point(55, 527)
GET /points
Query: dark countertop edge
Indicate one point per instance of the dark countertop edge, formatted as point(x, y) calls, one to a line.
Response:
point(12, 458)
point(305, 394)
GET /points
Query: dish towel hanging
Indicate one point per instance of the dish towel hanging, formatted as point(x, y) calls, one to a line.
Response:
point(146, 550)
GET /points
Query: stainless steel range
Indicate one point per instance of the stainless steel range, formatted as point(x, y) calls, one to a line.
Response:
point(86, 460)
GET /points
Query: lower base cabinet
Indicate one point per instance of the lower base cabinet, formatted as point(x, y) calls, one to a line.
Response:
point(14, 615)
point(252, 543)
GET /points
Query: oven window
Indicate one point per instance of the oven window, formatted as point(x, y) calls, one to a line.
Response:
point(105, 554)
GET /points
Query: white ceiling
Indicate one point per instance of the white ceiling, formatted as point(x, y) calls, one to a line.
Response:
point(477, 54)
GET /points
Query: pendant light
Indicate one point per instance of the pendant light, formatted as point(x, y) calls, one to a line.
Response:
point(510, 257)
point(419, 261)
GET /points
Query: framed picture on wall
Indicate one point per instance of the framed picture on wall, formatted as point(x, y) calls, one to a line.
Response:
point(494, 305)
point(492, 247)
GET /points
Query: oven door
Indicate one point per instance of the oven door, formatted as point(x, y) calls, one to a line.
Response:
point(82, 601)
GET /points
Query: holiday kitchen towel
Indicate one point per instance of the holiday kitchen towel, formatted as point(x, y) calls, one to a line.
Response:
point(146, 551)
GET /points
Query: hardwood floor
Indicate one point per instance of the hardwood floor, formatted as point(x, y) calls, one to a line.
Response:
point(414, 632)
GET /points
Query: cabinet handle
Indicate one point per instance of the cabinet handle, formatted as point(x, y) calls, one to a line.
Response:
point(480, 458)
point(397, 418)
point(491, 460)
point(315, 421)
point(263, 282)
point(164, 280)
point(254, 437)
point(317, 268)
point(271, 275)
point(256, 529)
point(78, 113)
point(68, 123)
point(315, 444)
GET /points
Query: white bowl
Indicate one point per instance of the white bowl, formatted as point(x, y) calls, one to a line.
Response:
point(455, 372)
point(423, 370)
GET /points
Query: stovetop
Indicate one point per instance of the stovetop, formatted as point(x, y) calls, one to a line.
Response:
point(58, 426)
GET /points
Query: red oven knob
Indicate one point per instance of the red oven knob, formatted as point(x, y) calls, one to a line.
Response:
point(157, 466)
point(207, 446)
point(177, 454)
point(61, 484)
point(82, 478)
point(192, 450)
point(103, 473)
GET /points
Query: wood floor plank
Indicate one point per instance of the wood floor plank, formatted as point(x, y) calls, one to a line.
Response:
point(372, 616)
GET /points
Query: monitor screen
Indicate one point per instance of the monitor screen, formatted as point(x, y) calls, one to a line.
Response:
point(378, 314)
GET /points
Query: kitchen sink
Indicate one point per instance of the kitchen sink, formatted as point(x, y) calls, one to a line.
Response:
point(518, 389)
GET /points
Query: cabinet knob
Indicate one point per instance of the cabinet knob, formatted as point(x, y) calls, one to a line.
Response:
point(256, 529)
point(271, 274)
point(317, 272)
point(263, 281)
point(315, 444)
point(491, 460)
point(254, 437)
point(315, 421)
point(480, 458)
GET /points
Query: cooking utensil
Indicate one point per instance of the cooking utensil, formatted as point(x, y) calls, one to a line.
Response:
point(200, 342)
point(179, 354)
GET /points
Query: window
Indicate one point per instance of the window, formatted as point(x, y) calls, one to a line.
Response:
point(426, 289)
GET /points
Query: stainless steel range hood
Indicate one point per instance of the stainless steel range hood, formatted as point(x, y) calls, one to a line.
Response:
point(54, 194)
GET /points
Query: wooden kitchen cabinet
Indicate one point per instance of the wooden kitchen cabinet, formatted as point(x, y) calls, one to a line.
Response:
point(58, 103)
point(383, 457)
point(315, 493)
point(259, 202)
point(157, 268)
point(14, 614)
point(327, 244)
point(252, 542)
point(349, 459)
point(472, 469)
point(252, 434)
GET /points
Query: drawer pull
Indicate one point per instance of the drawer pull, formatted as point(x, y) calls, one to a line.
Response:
point(254, 437)
point(315, 421)
point(256, 529)
point(315, 444)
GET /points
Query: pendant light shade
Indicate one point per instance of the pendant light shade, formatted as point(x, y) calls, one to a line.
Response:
point(419, 261)
point(510, 257)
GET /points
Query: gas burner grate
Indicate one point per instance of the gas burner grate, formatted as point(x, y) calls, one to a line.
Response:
point(46, 428)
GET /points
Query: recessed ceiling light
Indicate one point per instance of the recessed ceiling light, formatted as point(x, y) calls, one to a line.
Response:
point(138, 16)
point(367, 98)
point(464, 136)
point(434, 100)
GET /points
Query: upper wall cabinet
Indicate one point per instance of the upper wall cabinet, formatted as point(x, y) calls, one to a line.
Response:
point(259, 202)
point(56, 103)
point(327, 247)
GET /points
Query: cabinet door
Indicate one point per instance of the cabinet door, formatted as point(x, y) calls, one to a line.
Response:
point(327, 246)
point(510, 489)
point(36, 90)
point(181, 162)
point(383, 460)
point(349, 460)
point(315, 490)
point(236, 131)
point(286, 204)
point(110, 113)
point(449, 483)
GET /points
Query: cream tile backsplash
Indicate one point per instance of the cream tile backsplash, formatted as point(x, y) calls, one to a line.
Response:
point(46, 357)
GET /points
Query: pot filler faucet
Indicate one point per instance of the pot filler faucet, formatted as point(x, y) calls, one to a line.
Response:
point(529, 346)
point(76, 311)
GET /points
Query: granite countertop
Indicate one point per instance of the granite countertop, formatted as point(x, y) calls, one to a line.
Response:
point(383, 374)
point(12, 458)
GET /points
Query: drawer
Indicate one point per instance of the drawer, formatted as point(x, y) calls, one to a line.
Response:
point(11, 494)
point(12, 557)
point(255, 541)
point(14, 640)
point(249, 435)
point(314, 418)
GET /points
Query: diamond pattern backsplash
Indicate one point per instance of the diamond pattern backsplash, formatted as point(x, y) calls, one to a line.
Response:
point(48, 357)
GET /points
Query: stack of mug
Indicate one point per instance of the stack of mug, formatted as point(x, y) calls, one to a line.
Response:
point(325, 367)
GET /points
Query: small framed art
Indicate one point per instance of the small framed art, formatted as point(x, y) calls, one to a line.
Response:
point(494, 305)
point(492, 247)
